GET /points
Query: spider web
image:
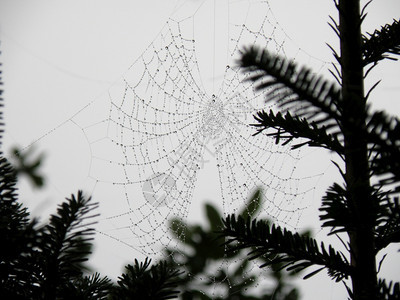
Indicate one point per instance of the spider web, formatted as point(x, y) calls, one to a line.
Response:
point(162, 125)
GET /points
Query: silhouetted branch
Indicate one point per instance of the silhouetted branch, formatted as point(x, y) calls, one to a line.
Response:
point(280, 246)
point(288, 128)
point(66, 243)
point(338, 213)
point(141, 282)
point(384, 147)
point(388, 229)
point(91, 287)
point(389, 291)
point(382, 44)
point(299, 92)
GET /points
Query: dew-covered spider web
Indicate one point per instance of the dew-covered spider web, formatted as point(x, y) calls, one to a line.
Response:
point(174, 115)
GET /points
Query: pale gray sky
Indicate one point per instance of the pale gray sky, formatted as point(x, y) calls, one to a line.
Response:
point(59, 56)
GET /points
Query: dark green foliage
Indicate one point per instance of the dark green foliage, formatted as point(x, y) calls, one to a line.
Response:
point(47, 262)
point(91, 287)
point(13, 215)
point(287, 86)
point(317, 119)
point(204, 260)
point(141, 282)
point(65, 244)
point(288, 128)
point(314, 112)
point(280, 246)
point(389, 291)
point(380, 44)
point(26, 165)
point(18, 235)
point(384, 139)
point(337, 211)
point(41, 263)
point(388, 223)
point(207, 264)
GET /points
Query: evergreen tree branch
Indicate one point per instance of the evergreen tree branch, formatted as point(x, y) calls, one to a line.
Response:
point(300, 92)
point(91, 287)
point(288, 128)
point(280, 246)
point(382, 44)
point(388, 223)
point(18, 238)
point(25, 164)
point(389, 291)
point(384, 141)
point(338, 212)
point(140, 282)
point(10, 210)
point(18, 232)
point(66, 243)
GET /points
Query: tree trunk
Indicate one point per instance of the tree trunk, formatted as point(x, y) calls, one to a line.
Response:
point(364, 279)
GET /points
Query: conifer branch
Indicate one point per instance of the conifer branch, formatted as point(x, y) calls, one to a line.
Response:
point(66, 243)
point(389, 291)
point(280, 246)
point(91, 287)
point(384, 146)
point(337, 210)
point(288, 128)
point(19, 235)
point(382, 44)
point(311, 104)
point(141, 282)
point(388, 223)
point(8, 190)
point(299, 92)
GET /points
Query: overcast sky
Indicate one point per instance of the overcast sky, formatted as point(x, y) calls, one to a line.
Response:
point(58, 56)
